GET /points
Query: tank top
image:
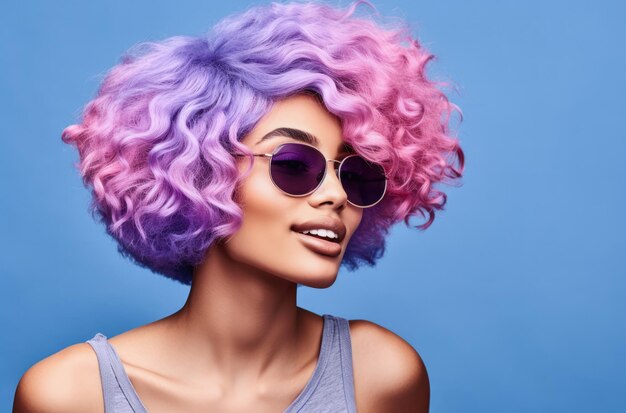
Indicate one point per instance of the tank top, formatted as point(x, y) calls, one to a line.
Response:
point(330, 388)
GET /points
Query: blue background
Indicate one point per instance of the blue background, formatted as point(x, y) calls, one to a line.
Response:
point(515, 297)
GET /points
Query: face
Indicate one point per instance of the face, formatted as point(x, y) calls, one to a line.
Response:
point(269, 239)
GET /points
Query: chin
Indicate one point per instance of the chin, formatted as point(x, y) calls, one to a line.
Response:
point(319, 281)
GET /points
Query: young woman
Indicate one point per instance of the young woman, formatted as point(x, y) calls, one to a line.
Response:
point(245, 163)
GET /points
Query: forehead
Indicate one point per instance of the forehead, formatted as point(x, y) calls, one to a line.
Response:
point(301, 118)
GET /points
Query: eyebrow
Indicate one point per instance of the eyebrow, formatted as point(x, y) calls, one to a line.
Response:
point(301, 136)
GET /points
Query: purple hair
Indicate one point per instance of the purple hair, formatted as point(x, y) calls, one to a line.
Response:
point(156, 142)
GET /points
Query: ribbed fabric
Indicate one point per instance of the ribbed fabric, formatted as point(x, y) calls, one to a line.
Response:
point(329, 390)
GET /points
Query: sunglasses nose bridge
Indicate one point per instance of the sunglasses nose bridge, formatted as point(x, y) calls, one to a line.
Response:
point(336, 169)
point(335, 166)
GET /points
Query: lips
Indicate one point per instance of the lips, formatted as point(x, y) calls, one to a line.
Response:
point(329, 247)
point(321, 246)
point(330, 223)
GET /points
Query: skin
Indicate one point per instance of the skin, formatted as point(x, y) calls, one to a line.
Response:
point(240, 343)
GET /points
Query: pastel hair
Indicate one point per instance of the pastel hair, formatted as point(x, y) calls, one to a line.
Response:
point(156, 143)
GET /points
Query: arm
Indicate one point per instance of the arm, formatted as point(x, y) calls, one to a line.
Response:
point(64, 382)
point(390, 375)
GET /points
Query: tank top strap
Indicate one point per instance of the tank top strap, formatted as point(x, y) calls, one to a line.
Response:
point(118, 391)
point(345, 352)
point(331, 388)
point(107, 376)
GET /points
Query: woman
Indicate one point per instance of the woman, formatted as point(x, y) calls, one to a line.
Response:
point(246, 163)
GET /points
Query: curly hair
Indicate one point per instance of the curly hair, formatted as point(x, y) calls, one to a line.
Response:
point(156, 143)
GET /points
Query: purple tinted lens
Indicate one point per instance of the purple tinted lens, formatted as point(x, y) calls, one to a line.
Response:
point(297, 169)
point(364, 182)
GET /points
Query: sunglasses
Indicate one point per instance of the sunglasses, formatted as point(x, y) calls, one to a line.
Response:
point(298, 169)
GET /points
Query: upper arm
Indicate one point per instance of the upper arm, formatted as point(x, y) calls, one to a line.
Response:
point(390, 375)
point(67, 381)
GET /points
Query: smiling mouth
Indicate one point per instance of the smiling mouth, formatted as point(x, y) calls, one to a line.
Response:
point(320, 245)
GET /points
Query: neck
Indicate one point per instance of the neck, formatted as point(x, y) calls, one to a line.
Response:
point(239, 323)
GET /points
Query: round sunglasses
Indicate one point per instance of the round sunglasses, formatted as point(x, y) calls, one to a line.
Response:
point(298, 169)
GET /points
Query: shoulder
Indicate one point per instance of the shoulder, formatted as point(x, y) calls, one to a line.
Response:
point(389, 374)
point(67, 381)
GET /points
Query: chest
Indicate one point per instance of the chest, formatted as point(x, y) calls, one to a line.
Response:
point(160, 396)
point(333, 384)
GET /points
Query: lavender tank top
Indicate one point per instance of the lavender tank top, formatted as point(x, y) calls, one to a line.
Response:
point(329, 390)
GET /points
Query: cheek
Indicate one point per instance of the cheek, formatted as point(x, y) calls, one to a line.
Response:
point(265, 218)
point(261, 201)
point(353, 218)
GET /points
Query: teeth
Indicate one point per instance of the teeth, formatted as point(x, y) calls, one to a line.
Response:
point(322, 233)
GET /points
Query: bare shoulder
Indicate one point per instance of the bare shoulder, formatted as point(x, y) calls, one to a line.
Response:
point(67, 381)
point(389, 374)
